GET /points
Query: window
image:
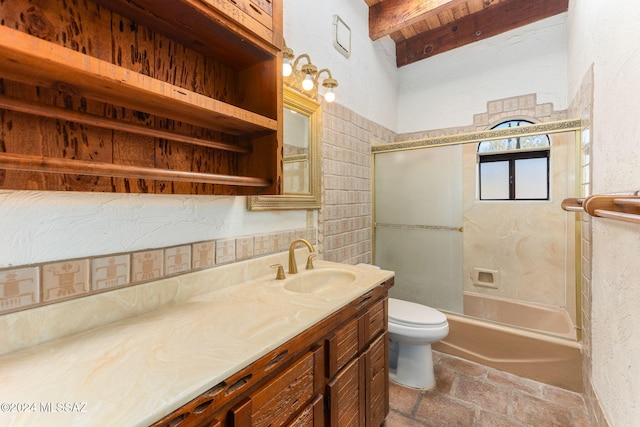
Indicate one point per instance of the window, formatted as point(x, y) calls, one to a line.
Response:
point(515, 168)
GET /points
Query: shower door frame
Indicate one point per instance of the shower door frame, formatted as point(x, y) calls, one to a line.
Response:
point(556, 127)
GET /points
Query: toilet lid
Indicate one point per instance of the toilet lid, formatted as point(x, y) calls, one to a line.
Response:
point(411, 314)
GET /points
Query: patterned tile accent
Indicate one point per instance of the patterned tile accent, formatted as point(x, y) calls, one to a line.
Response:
point(276, 242)
point(177, 259)
point(27, 287)
point(244, 248)
point(261, 244)
point(147, 265)
point(19, 287)
point(203, 254)
point(65, 279)
point(110, 272)
point(225, 251)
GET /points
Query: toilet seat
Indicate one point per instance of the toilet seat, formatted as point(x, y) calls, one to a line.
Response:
point(414, 315)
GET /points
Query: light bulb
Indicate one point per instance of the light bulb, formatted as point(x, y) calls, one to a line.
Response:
point(330, 95)
point(307, 83)
point(287, 69)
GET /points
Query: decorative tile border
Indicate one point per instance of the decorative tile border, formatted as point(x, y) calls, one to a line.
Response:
point(65, 279)
point(19, 288)
point(110, 272)
point(26, 287)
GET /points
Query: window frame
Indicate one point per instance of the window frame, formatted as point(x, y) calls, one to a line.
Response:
point(511, 156)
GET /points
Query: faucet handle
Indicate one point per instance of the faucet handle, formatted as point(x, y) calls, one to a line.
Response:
point(310, 261)
point(280, 274)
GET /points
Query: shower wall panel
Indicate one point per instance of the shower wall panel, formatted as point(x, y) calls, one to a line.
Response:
point(418, 214)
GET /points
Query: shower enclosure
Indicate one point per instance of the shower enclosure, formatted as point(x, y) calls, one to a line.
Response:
point(473, 257)
point(418, 224)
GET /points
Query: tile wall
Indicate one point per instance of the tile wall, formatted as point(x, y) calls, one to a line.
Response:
point(345, 220)
point(26, 287)
point(582, 106)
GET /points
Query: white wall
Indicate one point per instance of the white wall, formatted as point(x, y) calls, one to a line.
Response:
point(606, 34)
point(448, 89)
point(368, 78)
point(47, 226)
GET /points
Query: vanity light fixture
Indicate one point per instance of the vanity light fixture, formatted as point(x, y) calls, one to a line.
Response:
point(329, 83)
point(308, 70)
point(305, 78)
point(287, 57)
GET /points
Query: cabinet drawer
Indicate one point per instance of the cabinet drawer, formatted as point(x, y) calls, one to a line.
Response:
point(375, 321)
point(343, 347)
point(312, 415)
point(254, 15)
point(287, 394)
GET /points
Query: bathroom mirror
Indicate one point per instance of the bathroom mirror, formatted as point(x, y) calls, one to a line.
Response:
point(302, 156)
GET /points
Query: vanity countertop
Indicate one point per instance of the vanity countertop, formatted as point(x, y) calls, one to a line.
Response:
point(133, 371)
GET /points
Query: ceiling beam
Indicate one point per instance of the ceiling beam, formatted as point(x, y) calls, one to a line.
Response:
point(489, 22)
point(390, 16)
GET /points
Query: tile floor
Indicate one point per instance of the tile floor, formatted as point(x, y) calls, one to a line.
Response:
point(468, 394)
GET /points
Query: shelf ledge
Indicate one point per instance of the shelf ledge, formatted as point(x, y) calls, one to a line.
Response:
point(82, 167)
point(31, 60)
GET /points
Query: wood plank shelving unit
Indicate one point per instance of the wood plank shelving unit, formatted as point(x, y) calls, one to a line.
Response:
point(180, 96)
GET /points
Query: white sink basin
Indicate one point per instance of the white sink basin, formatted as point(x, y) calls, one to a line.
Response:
point(313, 281)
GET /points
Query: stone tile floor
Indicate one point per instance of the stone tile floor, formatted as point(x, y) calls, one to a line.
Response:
point(468, 394)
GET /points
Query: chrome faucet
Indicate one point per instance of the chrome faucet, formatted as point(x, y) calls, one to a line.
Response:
point(293, 269)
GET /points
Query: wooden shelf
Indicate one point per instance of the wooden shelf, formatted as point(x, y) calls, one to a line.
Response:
point(52, 112)
point(180, 97)
point(65, 166)
point(244, 30)
point(34, 61)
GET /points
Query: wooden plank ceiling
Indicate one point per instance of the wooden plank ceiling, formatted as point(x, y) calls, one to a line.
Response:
point(424, 28)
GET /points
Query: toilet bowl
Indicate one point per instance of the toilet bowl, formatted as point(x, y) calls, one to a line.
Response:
point(412, 329)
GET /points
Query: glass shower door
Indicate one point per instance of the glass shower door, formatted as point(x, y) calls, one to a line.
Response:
point(418, 224)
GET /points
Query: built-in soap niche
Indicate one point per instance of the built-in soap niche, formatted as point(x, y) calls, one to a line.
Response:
point(486, 277)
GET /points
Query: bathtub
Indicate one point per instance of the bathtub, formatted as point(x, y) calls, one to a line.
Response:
point(539, 317)
point(540, 357)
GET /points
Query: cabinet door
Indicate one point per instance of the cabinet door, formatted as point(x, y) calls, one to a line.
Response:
point(346, 396)
point(312, 415)
point(282, 398)
point(375, 321)
point(376, 361)
point(343, 346)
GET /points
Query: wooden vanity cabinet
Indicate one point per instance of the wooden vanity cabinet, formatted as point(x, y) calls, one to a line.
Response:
point(141, 96)
point(333, 374)
point(358, 370)
point(289, 399)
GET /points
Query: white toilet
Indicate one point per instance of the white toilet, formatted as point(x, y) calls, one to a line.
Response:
point(412, 329)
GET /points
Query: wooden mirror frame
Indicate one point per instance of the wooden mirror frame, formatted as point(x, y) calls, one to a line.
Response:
point(301, 201)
